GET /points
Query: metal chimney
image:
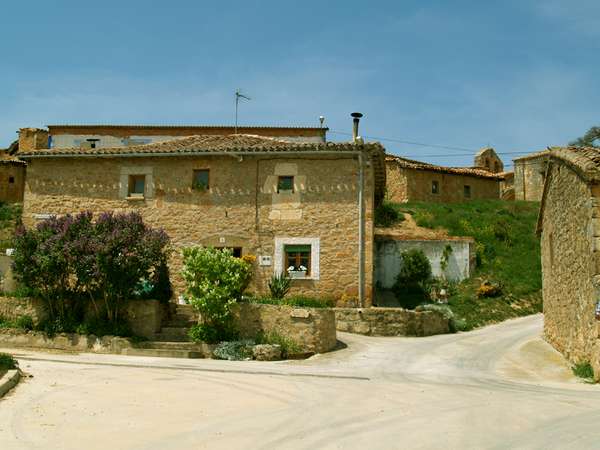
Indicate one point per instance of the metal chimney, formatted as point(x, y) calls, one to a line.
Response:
point(355, 119)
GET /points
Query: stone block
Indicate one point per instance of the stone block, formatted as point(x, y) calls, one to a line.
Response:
point(266, 352)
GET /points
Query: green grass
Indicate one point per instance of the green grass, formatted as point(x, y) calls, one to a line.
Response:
point(297, 300)
point(507, 253)
point(388, 214)
point(583, 370)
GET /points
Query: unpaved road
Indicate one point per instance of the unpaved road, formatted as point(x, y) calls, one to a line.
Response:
point(498, 387)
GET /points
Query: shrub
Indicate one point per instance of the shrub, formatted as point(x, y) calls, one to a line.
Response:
point(234, 350)
point(583, 370)
point(68, 261)
point(387, 214)
point(215, 280)
point(300, 301)
point(24, 322)
point(7, 362)
point(288, 345)
point(412, 282)
point(203, 332)
point(280, 285)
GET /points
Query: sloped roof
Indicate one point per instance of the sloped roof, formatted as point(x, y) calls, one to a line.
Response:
point(540, 154)
point(225, 144)
point(419, 165)
point(198, 127)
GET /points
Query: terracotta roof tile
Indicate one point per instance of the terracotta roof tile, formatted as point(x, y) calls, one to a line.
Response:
point(533, 155)
point(419, 165)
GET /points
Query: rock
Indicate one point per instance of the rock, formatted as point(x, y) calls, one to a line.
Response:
point(267, 352)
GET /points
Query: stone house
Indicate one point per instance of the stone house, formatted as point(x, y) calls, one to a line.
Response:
point(409, 180)
point(569, 224)
point(290, 204)
point(529, 175)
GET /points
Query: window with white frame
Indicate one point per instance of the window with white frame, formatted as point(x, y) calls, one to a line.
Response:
point(298, 257)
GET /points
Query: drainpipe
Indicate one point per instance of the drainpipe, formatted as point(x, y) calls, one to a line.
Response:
point(361, 234)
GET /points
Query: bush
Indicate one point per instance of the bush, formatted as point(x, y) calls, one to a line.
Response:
point(24, 322)
point(7, 362)
point(280, 285)
point(203, 332)
point(299, 301)
point(288, 345)
point(69, 261)
point(234, 350)
point(583, 370)
point(215, 280)
point(413, 282)
point(387, 214)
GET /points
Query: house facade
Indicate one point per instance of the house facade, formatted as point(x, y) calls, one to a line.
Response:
point(12, 180)
point(289, 204)
point(409, 180)
point(529, 175)
point(569, 224)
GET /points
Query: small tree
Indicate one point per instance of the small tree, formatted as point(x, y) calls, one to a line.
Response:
point(414, 277)
point(215, 280)
point(590, 139)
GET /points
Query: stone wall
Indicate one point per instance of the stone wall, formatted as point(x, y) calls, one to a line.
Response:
point(407, 184)
point(15, 307)
point(12, 181)
point(390, 322)
point(313, 329)
point(388, 260)
point(241, 208)
point(570, 259)
point(529, 178)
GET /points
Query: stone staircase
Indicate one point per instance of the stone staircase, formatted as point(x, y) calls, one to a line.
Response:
point(173, 340)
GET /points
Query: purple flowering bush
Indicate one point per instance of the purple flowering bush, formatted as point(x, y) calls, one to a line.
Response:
point(73, 261)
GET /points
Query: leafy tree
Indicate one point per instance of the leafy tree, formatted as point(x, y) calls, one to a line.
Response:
point(589, 139)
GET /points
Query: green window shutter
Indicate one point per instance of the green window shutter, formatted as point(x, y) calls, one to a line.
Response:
point(297, 248)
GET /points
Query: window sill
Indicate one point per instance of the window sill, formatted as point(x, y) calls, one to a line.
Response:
point(135, 198)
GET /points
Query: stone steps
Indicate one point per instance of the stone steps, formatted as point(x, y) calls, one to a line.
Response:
point(166, 345)
point(173, 334)
point(163, 353)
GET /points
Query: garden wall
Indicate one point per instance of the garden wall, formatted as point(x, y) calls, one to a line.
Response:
point(313, 329)
point(390, 322)
point(143, 316)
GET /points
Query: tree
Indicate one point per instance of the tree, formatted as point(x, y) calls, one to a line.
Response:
point(589, 139)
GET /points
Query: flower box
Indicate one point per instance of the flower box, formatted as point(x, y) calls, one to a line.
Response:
point(297, 273)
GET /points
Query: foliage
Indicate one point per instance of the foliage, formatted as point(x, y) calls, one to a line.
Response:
point(488, 289)
point(387, 214)
point(413, 281)
point(69, 261)
point(234, 350)
point(101, 327)
point(7, 362)
point(298, 300)
point(205, 332)
point(288, 346)
point(583, 370)
point(445, 257)
point(280, 285)
point(215, 280)
point(589, 139)
point(507, 254)
point(24, 322)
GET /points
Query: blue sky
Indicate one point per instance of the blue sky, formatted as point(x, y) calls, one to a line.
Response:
point(516, 75)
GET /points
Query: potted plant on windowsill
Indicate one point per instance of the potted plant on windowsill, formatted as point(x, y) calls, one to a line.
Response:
point(297, 273)
point(200, 186)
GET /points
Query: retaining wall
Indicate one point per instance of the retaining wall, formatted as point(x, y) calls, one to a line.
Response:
point(390, 322)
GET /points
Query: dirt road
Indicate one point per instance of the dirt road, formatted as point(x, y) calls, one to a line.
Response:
point(498, 387)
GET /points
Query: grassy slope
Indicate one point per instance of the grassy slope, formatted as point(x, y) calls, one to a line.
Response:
point(508, 252)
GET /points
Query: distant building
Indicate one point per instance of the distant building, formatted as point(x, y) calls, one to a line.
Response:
point(409, 180)
point(488, 159)
point(569, 224)
point(529, 175)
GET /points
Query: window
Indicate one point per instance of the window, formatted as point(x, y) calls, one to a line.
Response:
point(435, 187)
point(285, 184)
point(297, 259)
point(11, 180)
point(137, 184)
point(467, 191)
point(200, 179)
point(93, 143)
point(235, 251)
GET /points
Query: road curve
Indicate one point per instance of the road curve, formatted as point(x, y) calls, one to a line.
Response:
point(497, 387)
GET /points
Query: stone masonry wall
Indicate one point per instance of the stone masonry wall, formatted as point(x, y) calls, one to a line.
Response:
point(12, 182)
point(405, 184)
point(241, 209)
point(390, 322)
point(570, 259)
point(529, 178)
point(313, 329)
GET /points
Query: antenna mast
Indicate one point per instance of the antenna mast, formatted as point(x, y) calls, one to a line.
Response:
point(238, 95)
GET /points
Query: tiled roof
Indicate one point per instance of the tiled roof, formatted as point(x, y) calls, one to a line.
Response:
point(218, 144)
point(533, 155)
point(199, 127)
point(585, 160)
point(419, 165)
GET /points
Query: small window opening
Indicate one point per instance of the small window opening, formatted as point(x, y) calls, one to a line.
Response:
point(435, 187)
point(285, 184)
point(467, 191)
point(92, 142)
point(235, 251)
point(297, 259)
point(200, 180)
point(137, 184)
point(11, 180)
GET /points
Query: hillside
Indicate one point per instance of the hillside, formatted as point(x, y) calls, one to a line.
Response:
point(508, 254)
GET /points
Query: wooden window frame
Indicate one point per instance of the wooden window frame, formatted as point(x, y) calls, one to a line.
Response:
point(196, 171)
point(297, 259)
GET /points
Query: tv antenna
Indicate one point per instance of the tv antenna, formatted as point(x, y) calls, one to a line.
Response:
point(238, 95)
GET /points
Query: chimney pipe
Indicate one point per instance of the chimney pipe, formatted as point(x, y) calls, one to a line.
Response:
point(355, 119)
